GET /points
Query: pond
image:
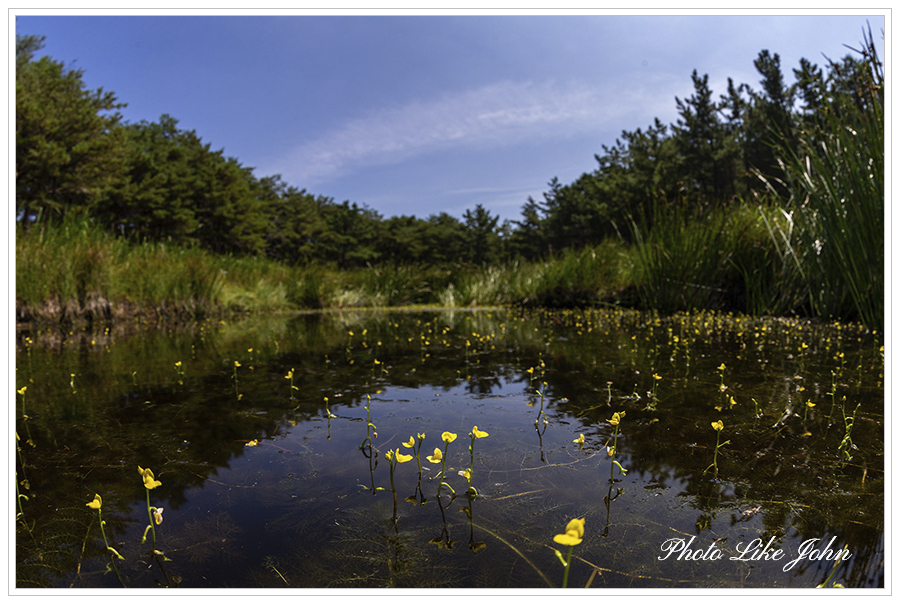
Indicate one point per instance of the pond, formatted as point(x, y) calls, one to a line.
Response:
point(278, 452)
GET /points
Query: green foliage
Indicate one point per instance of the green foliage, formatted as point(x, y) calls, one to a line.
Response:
point(68, 149)
point(179, 190)
point(835, 230)
point(753, 203)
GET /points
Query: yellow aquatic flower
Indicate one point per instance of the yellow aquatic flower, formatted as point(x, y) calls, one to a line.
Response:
point(448, 437)
point(479, 433)
point(252, 443)
point(157, 515)
point(410, 444)
point(810, 404)
point(467, 474)
point(574, 533)
point(616, 418)
point(721, 367)
point(718, 426)
point(579, 440)
point(150, 482)
point(236, 364)
point(22, 390)
point(96, 503)
point(401, 458)
point(437, 457)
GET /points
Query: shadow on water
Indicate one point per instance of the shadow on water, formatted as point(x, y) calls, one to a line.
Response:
point(273, 439)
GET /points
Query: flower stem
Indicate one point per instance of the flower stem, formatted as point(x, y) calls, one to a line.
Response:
point(568, 565)
point(150, 517)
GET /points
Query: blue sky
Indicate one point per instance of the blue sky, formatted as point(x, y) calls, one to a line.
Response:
point(425, 114)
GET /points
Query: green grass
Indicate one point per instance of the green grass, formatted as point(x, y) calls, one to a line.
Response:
point(835, 231)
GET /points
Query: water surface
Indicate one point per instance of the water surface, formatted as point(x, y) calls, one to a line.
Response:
point(261, 488)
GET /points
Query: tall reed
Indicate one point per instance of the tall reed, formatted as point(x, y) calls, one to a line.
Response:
point(835, 227)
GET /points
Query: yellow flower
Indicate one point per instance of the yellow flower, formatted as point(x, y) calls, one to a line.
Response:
point(252, 443)
point(150, 482)
point(389, 455)
point(437, 457)
point(466, 474)
point(410, 444)
point(721, 367)
point(157, 515)
point(616, 418)
point(96, 503)
point(448, 437)
point(579, 440)
point(401, 458)
point(810, 404)
point(178, 364)
point(289, 375)
point(574, 533)
point(479, 433)
point(420, 436)
point(718, 426)
point(657, 377)
point(236, 364)
point(22, 390)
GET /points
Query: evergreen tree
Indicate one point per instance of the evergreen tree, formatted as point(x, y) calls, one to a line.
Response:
point(68, 149)
point(482, 237)
point(177, 189)
point(706, 160)
point(769, 117)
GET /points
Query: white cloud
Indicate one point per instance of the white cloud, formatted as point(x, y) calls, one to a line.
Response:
point(497, 115)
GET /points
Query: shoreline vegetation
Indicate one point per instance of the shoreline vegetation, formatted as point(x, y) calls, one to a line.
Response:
point(768, 202)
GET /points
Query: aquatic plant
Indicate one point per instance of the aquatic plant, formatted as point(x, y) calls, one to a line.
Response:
point(653, 396)
point(394, 457)
point(615, 420)
point(579, 441)
point(290, 376)
point(441, 457)
point(153, 514)
point(847, 445)
point(573, 536)
point(809, 405)
point(541, 416)
point(718, 426)
point(371, 430)
point(838, 559)
point(473, 435)
point(416, 445)
point(97, 504)
point(21, 392)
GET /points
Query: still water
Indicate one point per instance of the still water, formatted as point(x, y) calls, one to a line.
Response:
point(279, 446)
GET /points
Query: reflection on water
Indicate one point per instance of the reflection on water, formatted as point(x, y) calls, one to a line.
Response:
point(271, 439)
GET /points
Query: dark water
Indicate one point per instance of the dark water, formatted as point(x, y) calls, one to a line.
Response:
point(260, 488)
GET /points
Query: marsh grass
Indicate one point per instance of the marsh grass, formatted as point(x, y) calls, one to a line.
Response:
point(835, 218)
point(688, 258)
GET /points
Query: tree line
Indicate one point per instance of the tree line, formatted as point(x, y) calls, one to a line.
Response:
point(152, 181)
